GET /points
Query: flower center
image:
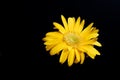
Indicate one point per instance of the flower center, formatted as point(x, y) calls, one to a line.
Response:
point(71, 39)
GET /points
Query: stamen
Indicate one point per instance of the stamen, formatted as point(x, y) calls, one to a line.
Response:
point(71, 39)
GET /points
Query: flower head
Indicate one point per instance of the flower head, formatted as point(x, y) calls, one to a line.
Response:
point(72, 41)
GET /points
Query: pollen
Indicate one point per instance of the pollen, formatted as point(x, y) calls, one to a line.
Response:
point(71, 39)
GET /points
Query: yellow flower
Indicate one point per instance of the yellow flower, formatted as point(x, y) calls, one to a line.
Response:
point(72, 41)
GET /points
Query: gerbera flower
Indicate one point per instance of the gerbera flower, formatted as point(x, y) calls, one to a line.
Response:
point(72, 41)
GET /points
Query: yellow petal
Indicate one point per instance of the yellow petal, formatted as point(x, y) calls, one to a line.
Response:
point(91, 51)
point(91, 55)
point(54, 35)
point(71, 57)
point(71, 23)
point(76, 61)
point(89, 42)
point(82, 57)
point(77, 22)
point(56, 49)
point(77, 55)
point(59, 27)
point(51, 39)
point(94, 30)
point(77, 25)
point(81, 25)
point(87, 29)
point(64, 22)
point(94, 35)
point(97, 44)
point(63, 56)
point(94, 51)
point(53, 42)
point(69, 48)
point(47, 39)
point(48, 47)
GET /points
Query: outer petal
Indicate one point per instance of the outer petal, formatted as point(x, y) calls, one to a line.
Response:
point(56, 49)
point(86, 30)
point(91, 51)
point(94, 35)
point(88, 27)
point(64, 22)
point(59, 27)
point(54, 35)
point(64, 56)
point(52, 42)
point(77, 25)
point(77, 55)
point(94, 30)
point(48, 47)
point(81, 25)
point(82, 56)
point(89, 42)
point(97, 44)
point(71, 57)
point(94, 51)
point(71, 23)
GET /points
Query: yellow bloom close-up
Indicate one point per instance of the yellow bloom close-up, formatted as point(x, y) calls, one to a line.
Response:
point(72, 41)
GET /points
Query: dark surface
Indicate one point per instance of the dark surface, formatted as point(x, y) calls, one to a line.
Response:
point(22, 49)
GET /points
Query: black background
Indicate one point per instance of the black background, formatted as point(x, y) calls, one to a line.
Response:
point(23, 50)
